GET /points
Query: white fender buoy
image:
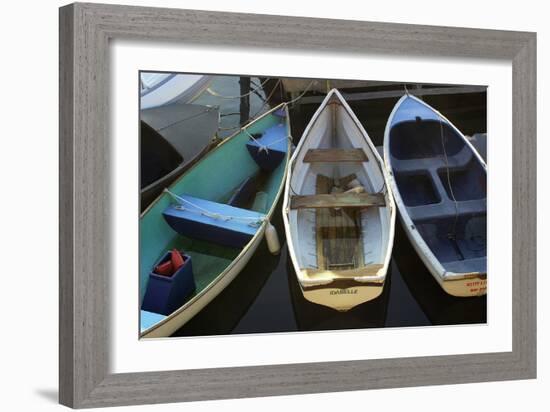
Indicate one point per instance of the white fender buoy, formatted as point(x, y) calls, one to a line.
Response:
point(272, 239)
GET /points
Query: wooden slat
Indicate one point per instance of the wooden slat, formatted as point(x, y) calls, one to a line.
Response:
point(337, 200)
point(322, 186)
point(335, 155)
point(337, 235)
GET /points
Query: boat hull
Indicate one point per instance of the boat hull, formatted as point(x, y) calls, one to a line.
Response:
point(169, 88)
point(435, 206)
point(190, 130)
point(340, 244)
point(216, 265)
point(343, 295)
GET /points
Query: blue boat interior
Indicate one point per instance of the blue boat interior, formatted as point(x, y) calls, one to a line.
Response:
point(443, 186)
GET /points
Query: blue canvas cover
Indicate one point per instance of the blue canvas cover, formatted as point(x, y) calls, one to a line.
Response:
point(269, 149)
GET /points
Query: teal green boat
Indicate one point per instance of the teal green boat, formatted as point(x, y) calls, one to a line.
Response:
point(216, 213)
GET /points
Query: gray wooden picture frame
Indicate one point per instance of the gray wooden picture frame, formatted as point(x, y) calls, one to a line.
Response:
point(85, 31)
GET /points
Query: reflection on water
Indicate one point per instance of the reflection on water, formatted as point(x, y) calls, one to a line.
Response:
point(266, 297)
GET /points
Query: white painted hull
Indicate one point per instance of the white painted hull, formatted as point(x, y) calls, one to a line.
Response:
point(340, 290)
point(159, 89)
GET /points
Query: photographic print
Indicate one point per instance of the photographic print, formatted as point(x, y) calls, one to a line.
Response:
point(285, 205)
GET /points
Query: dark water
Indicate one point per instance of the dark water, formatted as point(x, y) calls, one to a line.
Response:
point(265, 296)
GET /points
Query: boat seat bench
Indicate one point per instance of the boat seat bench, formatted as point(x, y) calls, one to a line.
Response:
point(457, 161)
point(215, 226)
point(335, 155)
point(337, 200)
point(447, 209)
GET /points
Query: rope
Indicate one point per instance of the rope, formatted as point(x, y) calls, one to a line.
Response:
point(267, 101)
point(256, 85)
point(255, 114)
point(382, 189)
point(264, 147)
point(253, 221)
point(451, 234)
point(213, 93)
point(301, 95)
point(207, 110)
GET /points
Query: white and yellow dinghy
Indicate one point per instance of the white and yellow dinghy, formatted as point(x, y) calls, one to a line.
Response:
point(338, 213)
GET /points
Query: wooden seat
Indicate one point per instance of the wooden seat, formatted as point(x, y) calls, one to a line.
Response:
point(335, 155)
point(337, 200)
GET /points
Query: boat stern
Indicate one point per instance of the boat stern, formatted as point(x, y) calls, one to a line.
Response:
point(343, 294)
point(466, 285)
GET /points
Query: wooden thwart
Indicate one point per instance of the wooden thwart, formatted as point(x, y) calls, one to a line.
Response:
point(337, 200)
point(335, 155)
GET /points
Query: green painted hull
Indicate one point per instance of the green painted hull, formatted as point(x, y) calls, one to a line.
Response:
point(215, 178)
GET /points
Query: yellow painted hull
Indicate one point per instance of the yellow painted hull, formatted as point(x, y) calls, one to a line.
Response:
point(466, 287)
point(345, 297)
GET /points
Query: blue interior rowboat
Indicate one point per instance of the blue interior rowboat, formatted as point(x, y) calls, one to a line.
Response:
point(439, 183)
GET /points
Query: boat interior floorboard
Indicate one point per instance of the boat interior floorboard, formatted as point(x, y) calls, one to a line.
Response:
point(338, 233)
point(443, 186)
